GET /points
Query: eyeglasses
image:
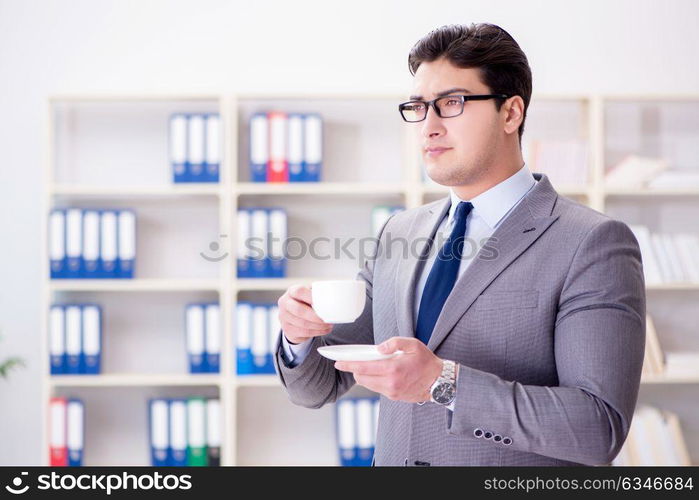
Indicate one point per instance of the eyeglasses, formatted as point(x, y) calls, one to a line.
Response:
point(446, 107)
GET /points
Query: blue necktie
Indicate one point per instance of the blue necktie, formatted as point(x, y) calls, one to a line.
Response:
point(443, 274)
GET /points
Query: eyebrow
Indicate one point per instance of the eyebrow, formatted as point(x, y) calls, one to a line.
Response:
point(442, 93)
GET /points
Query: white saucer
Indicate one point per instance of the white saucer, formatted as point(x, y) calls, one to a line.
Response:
point(354, 352)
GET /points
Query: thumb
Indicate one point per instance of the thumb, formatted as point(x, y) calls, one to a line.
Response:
point(394, 344)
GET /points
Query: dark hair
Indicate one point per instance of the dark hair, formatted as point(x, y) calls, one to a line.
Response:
point(503, 66)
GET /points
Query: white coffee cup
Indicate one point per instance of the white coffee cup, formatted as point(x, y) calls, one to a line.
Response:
point(338, 301)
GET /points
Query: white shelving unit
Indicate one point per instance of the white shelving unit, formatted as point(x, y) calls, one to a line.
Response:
point(111, 151)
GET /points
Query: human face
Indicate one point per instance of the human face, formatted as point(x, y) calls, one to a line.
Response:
point(460, 150)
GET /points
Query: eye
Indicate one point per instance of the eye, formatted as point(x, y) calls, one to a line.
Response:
point(452, 102)
point(414, 106)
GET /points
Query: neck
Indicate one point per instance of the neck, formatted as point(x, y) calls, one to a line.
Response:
point(492, 177)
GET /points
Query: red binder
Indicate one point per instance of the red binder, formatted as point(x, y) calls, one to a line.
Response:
point(58, 448)
point(278, 163)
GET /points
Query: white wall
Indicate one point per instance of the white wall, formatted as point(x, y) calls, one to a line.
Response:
point(49, 47)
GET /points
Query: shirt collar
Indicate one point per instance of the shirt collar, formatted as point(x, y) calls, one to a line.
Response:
point(493, 204)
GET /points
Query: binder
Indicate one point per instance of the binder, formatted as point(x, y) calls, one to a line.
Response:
point(213, 431)
point(194, 323)
point(365, 431)
point(73, 329)
point(57, 244)
point(74, 242)
point(178, 432)
point(313, 147)
point(346, 433)
point(195, 148)
point(377, 403)
point(243, 253)
point(259, 147)
point(92, 338)
point(57, 341)
point(213, 338)
point(212, 155)
point(75, 432)
point(91, 243)
point(178, 147)
point(244, 365)
point(159, 432)
point(259, 338)
point(127, 244)
point(258, 244)
point(107, 265)
point(274, 336)
point(295, 147)
point(58, 448)
point(278, 232)
point(277, 164)
point(196, 432)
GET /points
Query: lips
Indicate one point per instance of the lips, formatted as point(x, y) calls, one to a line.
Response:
point(435, 150)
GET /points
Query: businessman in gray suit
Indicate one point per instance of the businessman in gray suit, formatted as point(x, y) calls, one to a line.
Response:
point(522, 314)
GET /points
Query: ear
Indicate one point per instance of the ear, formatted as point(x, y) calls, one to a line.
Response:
point(513, 112)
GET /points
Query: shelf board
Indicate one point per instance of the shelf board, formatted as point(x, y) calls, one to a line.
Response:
point(691, 191)
point(319, 188)
point(257, 381)
point(671, 379)
point(135, 380)
point(140, 191)
point(251, 284)
point(134, 285)
point(673, 286)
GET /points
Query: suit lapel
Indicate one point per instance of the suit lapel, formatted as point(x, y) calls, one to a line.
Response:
point(422, 230)
point(510, 240)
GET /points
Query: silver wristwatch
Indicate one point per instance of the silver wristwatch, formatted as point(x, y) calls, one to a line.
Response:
point(443, 391)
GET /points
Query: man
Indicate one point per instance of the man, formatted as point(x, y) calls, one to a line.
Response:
point(523, 344)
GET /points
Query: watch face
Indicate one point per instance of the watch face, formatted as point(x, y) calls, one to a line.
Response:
point(444, 393)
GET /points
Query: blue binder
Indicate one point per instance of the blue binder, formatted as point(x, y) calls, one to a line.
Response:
point(57, 340)
point(259, 232)
point(109, 244)
point(159, 431)
point(277, 228)
point(73, 333)
point(243, 329)
point(178, 147)
point(178, 432)
point(295, 126)
point(57, 244)
point(92, 338)
point(213, 337)
point(243, 260)
point(74, 242)
point(212, 155)
point(345, 423)
point(313, 147)
point(195, 326)
point(259, 341)
point(259, 147)
point(91, 244)
point(75, 431)
point(196, 140)
point(127, 244)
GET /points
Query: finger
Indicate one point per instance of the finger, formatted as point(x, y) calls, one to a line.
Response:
point(371, 382)
point(299, 333)
point(376, 368)
point(394, 344)
point(289, 319)
point(304, 311)
point(301, 292)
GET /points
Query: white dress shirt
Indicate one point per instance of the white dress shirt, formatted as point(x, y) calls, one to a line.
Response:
point(489, 210)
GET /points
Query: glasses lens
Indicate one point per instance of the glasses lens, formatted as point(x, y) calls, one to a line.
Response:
point(450, 106)
point(413, 111)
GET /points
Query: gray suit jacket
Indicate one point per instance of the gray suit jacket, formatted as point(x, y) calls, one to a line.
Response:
point(547, 325)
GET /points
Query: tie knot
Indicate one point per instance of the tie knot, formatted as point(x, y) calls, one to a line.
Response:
point(462, 210)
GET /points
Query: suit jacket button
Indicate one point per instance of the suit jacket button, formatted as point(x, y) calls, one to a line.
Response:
point(478, 432)
point(497, 438)
point(424, 464)
point(507, 441)
point(488, 435)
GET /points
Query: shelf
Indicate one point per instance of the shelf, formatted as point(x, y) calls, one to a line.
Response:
point(140, 191)
point(671, 379)
point(134, 285)
point(273, 284)
point(320, 188)
point(129, 380)
point(257, 381)
point(673, 286)
point(652, 192)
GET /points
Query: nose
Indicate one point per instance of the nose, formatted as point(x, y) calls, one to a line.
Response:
point(432, 125)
